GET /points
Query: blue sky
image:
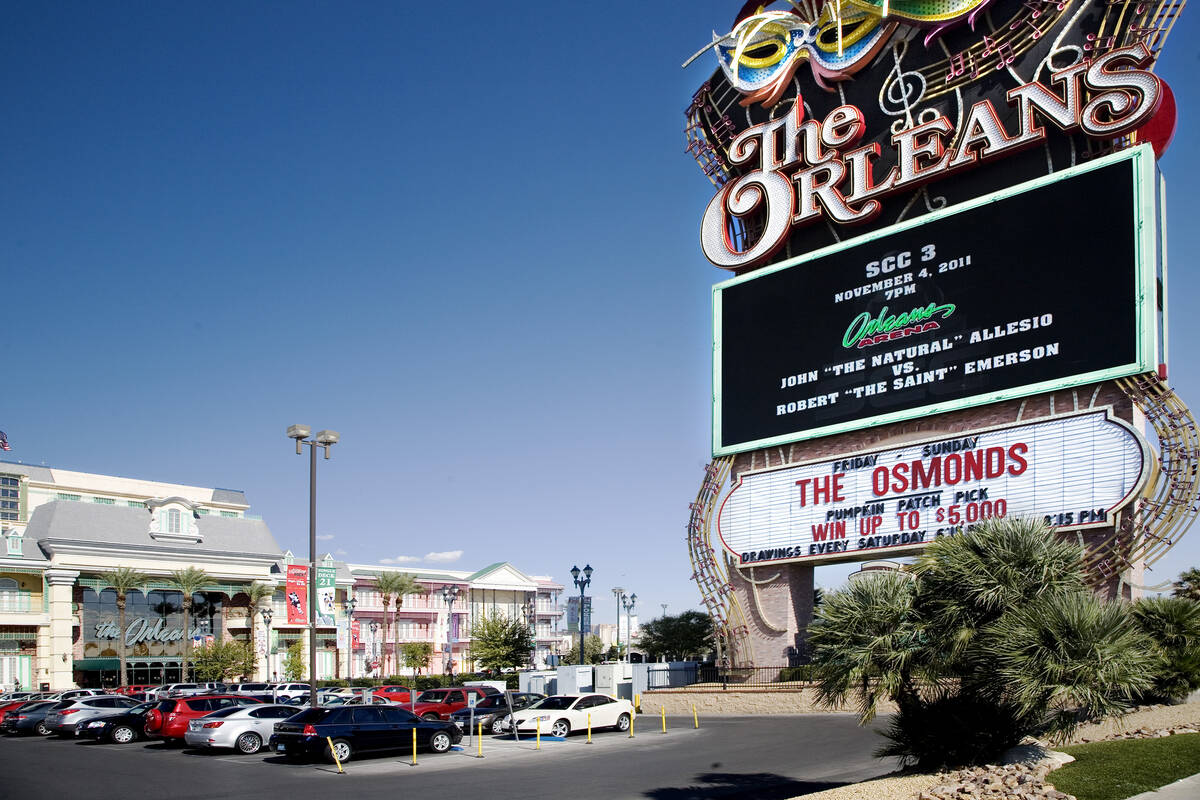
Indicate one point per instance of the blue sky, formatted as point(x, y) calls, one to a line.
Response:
point(464, 237)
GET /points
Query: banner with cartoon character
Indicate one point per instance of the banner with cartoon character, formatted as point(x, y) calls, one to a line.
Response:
point(297, 594)
point(326, 577)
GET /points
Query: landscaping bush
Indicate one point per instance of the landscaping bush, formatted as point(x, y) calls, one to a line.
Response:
point(1173, 625)
point(990, 636)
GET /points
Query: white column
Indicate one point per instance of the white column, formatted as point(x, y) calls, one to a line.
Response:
point(61, 585)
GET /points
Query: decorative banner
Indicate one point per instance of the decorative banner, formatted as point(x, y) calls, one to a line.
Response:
point(1073, 471)
point(355, 635)
point(343, 634)
point(971, 305)
point(260, 642)
point(297, 594)
point(326, 611)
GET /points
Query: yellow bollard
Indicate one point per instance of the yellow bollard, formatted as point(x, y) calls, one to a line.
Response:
point(479, 752)
point(336, 760)
point(695, 718)
point(538, 746)
point(664, 718)
point(632, 717)
point(637, 702)
point(414, 761)
point(589, 741)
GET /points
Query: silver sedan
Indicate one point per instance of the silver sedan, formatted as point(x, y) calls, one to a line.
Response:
point(242, 728)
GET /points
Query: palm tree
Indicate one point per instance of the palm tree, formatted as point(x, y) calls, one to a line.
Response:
point(395, 584)
point(256, 594)
point(188, 582)
point(123, 580)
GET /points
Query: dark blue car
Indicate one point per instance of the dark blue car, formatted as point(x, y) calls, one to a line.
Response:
point(359, 729)
point(28, 718)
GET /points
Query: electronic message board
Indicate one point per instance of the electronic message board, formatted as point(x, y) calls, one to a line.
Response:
point(1072, 470)
point(1044, 286)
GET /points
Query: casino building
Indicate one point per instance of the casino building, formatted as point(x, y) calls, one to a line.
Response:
point(61, 531)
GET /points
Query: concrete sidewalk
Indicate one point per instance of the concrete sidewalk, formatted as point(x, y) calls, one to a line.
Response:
point(1184, 789)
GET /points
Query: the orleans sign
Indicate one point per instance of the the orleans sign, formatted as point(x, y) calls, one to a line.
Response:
point(142, 630)
point(1073, 471)
point(809, 169)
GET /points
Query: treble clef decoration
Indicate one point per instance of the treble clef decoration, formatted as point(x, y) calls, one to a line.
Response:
point(901, 91)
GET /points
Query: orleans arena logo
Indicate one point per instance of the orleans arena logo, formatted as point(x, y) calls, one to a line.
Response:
point(801, 171)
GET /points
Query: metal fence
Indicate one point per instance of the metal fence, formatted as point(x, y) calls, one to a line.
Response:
point(710, 676)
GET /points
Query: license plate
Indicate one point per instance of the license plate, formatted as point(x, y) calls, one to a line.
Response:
point(279, 748)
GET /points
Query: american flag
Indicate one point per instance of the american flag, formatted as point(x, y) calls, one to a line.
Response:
point(4, 441)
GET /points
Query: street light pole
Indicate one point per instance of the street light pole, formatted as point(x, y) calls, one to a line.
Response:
point(351, 603)
point(582, 584)
point(618, 593)
point(324, 439)
point(449, 593)
point(266, 617)
point(629, 603)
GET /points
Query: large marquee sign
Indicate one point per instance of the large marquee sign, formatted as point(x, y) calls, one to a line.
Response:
point(1012, 294)
point(1074, 471)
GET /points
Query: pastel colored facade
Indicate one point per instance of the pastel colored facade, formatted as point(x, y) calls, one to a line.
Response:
point(61, 531)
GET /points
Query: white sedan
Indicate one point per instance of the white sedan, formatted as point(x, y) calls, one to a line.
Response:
point(242, 728)
point(561, 714)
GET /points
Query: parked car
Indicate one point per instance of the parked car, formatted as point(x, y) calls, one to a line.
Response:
point(28, 718)
point(561, 714)
point(66, 714)
point(491, 711)
point(175, 690)
point(359, 729)
point(168, 720)
point(243, 728)
point(131, 690)
point(12, 705)
point(249, 688)
point(441, 703)
point(397, 694)
point(291, 690)
point(121, 727)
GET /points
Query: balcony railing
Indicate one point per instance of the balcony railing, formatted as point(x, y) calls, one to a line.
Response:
point(14, 602)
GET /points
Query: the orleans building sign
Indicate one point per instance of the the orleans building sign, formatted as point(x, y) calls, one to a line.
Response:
point(142, 630)
point(808, 169)
point(1074, 471)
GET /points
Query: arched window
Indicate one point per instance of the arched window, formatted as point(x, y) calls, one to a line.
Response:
point(9, 596)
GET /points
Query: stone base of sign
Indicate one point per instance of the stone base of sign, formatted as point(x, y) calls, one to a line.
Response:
point(778, 598)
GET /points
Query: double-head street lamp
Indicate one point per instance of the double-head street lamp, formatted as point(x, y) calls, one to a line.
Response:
point(449, 593)
point(375, 641)
point(351, 603)
point(618, 593)
point(529, 609)
point(323, 440)
point(582, 584)
point(628, 602)
point(266, 613)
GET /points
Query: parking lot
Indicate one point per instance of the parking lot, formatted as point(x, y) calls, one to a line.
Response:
point(726, 757)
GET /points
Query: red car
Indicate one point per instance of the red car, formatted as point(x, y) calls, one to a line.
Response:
point(169, 719)
point(441, 703)
point(397, 694)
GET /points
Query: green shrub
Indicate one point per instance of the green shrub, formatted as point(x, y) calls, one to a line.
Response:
point(1173, 625)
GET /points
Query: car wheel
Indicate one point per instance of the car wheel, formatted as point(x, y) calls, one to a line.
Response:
point(623, 722)
point(123, 735)
point(249, 743)
point(430, 717)
point(41, 729)
point(440, 742)
point(560, 728)
point(343, 750)
point(498, 725)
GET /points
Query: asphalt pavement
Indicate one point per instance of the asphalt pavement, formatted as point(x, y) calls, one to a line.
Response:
point(766, 758)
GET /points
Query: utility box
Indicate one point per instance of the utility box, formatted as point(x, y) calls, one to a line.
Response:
point(542, 681)
point(575, 679)
point(615, 680)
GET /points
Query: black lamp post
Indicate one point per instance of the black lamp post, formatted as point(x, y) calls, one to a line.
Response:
point(324, 440)
point(582, 584)
point(530, 609)
point(374, 640)
point(449, 593)
point(351, 603)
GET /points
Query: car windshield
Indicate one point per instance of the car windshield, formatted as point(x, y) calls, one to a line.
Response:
point(141, 709)
point(311, 715)
point(556, 703)
point(432, 696)
point(491, 701)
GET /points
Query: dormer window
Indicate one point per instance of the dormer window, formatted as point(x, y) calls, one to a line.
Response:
point(173, 519)
point(14, 541)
